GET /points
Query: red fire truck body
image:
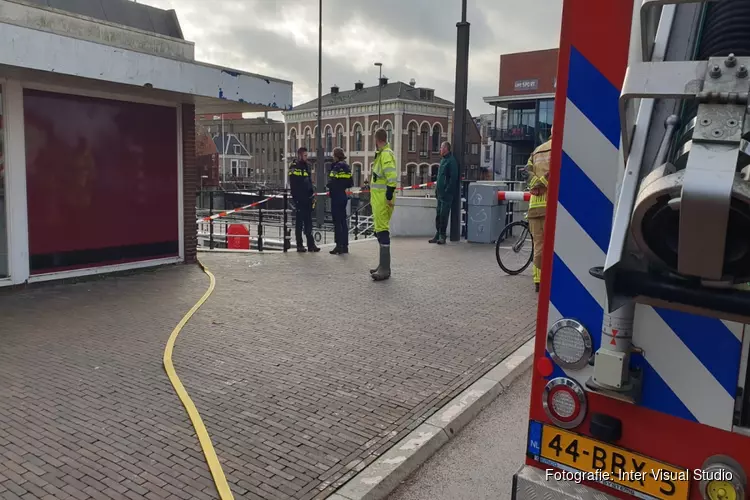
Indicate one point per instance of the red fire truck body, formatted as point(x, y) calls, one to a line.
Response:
point(639, 382)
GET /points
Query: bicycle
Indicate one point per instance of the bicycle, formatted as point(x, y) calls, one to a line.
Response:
point(517, 246)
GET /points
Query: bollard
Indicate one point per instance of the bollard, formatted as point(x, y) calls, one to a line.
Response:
point(260, 224)
point(287, 235)
point(211, 222)
point(356, 224)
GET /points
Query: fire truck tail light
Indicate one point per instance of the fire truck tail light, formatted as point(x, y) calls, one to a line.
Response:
point(569, 344)
point(722, 478)
point(564, 402)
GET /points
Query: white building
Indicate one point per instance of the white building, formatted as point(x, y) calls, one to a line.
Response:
point(494, 154)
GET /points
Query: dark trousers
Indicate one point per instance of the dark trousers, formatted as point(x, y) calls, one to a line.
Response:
point(442, 215)
point(303, 221)
point(340, 226)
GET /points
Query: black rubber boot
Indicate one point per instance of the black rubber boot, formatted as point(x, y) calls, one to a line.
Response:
point(343, 250)
point(301, 249)
point(536, 287)
point(434, 239)
point(384, 269)
point(335, 251)
point(441, 240)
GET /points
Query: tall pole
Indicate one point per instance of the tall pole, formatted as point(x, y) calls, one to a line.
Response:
point(459, 125)
point(380, 89)
point(320, 177)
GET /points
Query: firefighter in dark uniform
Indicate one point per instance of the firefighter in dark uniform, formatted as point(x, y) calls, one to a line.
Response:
point(303, 194)
point(339, 181)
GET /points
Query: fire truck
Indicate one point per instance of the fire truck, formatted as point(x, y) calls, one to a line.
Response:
point(640, 372)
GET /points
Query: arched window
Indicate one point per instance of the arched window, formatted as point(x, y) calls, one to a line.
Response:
point(329, 140)
point(340, 137)
point(436, 139)
point(425, 143)
point(293, 141)
point(308, 140)
point(424, 174)
point(358, 138)
point(389, 131)
point(412, 137)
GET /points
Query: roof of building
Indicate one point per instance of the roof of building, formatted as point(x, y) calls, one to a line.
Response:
point(228, 142)
point(124, 12)
point(390, 91)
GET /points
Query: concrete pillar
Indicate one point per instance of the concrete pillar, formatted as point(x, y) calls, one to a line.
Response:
point(398, 140)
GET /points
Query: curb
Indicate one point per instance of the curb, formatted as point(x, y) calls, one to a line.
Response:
point(382, 476)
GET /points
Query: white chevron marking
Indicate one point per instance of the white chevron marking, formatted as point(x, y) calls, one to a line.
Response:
point(691, 382)
point(580, 253)
point(591, 151)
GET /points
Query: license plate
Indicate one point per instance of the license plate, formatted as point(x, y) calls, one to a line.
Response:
point(586, 459)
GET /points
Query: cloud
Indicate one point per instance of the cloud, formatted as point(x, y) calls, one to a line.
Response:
point(412, 38)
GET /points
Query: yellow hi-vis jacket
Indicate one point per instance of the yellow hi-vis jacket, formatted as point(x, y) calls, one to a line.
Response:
point(384, 176)
point(537, 167)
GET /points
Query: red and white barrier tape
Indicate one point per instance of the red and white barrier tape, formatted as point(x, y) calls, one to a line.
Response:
point(253, 205)
point(513, 196)
point(224, 214)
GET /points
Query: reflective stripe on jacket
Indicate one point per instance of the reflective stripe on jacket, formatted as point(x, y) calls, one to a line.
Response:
point(537, 166)
point(384, 172)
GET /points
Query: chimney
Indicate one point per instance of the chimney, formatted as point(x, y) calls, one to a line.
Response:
point(359, 86)
point(383, 81)
point(412, 82)
point(335, 89)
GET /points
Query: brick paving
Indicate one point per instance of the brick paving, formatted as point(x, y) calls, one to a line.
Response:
point(303, 369)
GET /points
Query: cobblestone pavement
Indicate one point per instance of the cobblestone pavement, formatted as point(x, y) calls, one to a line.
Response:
point(303, 369)
point(86, 410)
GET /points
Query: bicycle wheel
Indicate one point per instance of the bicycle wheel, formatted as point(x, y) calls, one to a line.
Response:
point(514, 249)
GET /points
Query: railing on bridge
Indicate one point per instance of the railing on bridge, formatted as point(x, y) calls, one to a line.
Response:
point(270, 219)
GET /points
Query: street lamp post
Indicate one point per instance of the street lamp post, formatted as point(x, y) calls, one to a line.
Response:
point(320, 176)
point(380, 88)
point(459, 126)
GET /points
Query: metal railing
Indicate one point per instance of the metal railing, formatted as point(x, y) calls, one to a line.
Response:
point(269, 218)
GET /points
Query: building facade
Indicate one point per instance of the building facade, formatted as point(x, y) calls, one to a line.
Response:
point(416, 120)
point(98, 142)
point(493, 153)
point(526, 93)
point(253, 149)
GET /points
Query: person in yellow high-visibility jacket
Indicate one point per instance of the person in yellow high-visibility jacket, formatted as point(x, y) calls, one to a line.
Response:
point(383, 199)
point(538, 170)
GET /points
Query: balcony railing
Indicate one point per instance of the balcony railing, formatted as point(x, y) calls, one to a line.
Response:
point(510, 134)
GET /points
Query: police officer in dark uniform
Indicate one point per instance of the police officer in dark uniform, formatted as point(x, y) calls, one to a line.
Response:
point(339, 181)
point(302, 194)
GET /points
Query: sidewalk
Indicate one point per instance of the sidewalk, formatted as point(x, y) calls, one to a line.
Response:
point(480, 462)
point(302, 368)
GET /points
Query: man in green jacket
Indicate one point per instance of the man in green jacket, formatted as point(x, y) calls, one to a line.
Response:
point(447, 188)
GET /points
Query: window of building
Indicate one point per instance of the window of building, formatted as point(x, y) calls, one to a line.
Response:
point(436, 139)
point(358, 138)
point(487, 154)
point(281, 154)
point(475, 149)
point(389, 132)
point(340, 137)
point(237, 149)
point(308, 142)
point(424, 150)
point(293, 140)
point(546, 117)
point(329, 140)
point(234, 168)
point(412, 137)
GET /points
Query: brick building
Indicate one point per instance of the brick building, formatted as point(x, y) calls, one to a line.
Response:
point(525, 102)
point(253, 149)
point(416, 120)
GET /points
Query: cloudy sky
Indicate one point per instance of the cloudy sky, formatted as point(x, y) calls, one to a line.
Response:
point(412, 38)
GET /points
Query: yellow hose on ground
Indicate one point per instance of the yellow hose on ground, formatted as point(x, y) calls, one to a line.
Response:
point(200, 430)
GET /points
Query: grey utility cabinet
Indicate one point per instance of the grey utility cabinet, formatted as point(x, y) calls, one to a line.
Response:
point(486, 215)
